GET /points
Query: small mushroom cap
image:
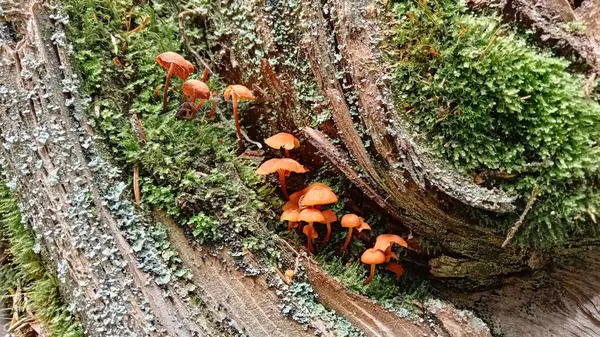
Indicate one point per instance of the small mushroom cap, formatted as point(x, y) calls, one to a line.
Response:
point(363, 226)
point(313, 185)
point(391, 255)
point(284, 164)
point(318, 195)
point(183, 68)
point(289, 273)
point(373, 256)
point(350, 221)
point(293, 202)
point(311, 215)
point(314, 232)
point(396, 268)
point(384, 241)
point(196, 89)
point(283, 140)
point(290, 215)
point(329, 216)
point(240, 91)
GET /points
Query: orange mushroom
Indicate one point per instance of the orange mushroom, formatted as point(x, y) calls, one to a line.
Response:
point(293, 202)
point(329, 218)
point(385, 242)
point(352, 221)
point(282, 166)
point(289, 274)
point(195, 89)
point(284, 141)
point(238, 92)
point(176, 65)
point(396, 268)
point(310, 215)
point(295, 197)
point(317, 196)
point(372, 257)
point(291, 216)
point(363, 225)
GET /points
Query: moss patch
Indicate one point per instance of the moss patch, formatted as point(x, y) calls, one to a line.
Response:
point(503, 110)
point(23, 276)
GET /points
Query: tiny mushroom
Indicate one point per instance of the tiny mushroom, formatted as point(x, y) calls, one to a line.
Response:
point(195, 89)
point(289, 274)
point(329, 218)
point(282, 166)
point(396, 268)
point(372, 257)
point(176, 65)
point(385, 242)
point(317, 196)
point(293, 202)
point(352, 221)
point(311, 215)
point(291, 216)
point(238, 93)
point(295, 197)
point(284, 141)
point(363, 225)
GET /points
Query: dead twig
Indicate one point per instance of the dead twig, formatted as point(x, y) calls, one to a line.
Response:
point(492, 40)
point(282, 276)
point(517, 225)
point(136, 186)
point(20, 324)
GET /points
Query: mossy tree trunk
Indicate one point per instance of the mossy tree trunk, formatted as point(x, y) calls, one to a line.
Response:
point(71, 198)
point(330, 51)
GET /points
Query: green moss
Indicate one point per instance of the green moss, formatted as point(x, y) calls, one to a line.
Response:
point(22, 270)
point(490, 102)
point(187, 168)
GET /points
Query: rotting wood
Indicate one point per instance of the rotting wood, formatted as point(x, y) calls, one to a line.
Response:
point(247, 302)
point(66, 194)
point(564, 302)
point(543, 20)
point(370, 318)
point(463, 238)
point(44, 141)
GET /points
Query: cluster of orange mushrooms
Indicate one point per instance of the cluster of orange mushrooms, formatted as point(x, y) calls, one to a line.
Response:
point(193, 90)
point(304, 206)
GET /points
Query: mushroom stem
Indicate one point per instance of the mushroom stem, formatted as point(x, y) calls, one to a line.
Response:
point(282, 182)
point(327, 235)
point(310, 238)
point(213, 110)
point(370, 275)
point(237, 123)
point(347, 239)
point(205, 75)
point(166, 89)
point(200, 104)
point(287, 153)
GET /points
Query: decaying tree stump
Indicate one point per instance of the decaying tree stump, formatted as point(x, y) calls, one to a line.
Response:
point(72, 198)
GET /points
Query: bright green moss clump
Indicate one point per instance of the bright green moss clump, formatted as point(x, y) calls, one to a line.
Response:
point(494, 105)
point(22, 271)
